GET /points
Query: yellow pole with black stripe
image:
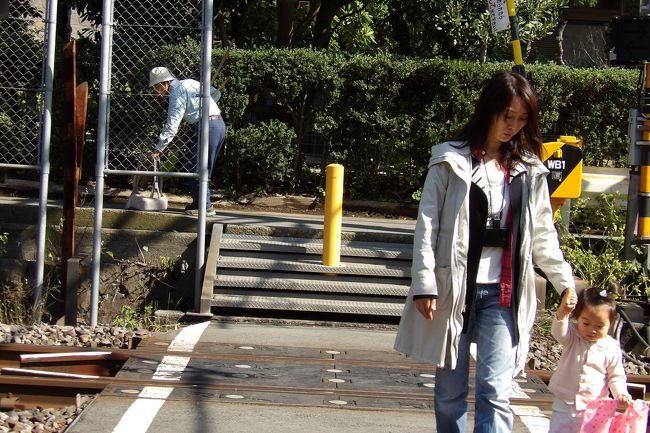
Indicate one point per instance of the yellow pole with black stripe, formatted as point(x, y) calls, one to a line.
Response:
point(644, 176)
point(514, 35)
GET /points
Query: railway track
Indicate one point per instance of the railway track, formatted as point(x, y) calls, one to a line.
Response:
point(46, 375)
point(221, 374)
point(41, 375)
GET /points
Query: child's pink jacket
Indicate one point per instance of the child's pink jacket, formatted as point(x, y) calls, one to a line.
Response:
point(586, 369)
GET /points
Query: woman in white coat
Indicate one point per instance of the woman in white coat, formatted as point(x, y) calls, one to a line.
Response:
point(484, 219)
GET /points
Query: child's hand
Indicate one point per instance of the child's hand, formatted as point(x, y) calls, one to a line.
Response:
point(625, 399)
point(567, 304)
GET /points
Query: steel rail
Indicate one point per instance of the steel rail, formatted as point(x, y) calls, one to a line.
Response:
point(152, 352)
point(38, 387)
point(217, 385)
point(148, 352)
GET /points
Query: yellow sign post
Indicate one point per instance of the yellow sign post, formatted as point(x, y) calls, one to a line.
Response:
point(514, 36)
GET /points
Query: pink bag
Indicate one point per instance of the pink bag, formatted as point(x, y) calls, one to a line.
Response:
point(601, 417)
point(633, 420)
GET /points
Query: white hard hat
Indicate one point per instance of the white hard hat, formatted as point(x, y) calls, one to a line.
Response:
point(160, 74)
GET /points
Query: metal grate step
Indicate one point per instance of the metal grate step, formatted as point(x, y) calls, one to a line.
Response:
point(344, 306)
point(287, 274)
point(311, 265)
point(316, 283)
point(314, 246)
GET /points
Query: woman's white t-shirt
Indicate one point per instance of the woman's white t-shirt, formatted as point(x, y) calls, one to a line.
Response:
point(496, 191)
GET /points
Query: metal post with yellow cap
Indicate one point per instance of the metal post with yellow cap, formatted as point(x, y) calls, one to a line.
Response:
point(333, 215)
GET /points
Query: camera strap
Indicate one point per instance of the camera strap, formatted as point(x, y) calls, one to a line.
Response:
point(495, 222)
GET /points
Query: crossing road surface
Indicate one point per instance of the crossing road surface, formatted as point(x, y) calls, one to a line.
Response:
point(228, 376)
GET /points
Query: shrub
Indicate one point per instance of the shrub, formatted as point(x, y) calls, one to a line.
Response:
point(595, 247)
point(378, 116)
point(262, 154)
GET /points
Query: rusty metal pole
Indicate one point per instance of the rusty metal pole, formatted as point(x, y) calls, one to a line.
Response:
point(75, 106)
point(81, 113)
point(70, 190)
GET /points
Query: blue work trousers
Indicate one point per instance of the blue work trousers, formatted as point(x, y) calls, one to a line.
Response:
point(217, 136)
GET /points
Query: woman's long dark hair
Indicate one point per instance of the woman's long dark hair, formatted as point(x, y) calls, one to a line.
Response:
point(496, 97)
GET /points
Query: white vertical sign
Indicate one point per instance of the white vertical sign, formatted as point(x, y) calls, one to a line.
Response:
point(498, 15)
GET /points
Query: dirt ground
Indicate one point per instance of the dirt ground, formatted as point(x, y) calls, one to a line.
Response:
point(314, 206)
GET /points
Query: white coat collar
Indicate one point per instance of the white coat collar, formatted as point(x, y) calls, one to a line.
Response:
point(459, 157)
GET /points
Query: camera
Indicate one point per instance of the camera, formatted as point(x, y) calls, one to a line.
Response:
point(495, 236)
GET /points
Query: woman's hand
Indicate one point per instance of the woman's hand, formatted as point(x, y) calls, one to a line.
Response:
point(426, 307)
point(567, 304)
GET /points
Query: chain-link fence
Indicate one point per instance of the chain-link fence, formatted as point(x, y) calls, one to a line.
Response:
point(142, 33)
point(138, 36)
point(23, 44)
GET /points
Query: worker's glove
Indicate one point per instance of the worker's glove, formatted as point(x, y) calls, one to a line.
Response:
point(153, 155)
point(153, 145)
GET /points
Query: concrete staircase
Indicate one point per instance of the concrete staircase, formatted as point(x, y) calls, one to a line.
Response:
point(258, 272)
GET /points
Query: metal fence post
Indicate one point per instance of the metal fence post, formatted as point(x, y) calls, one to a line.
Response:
point(46, 130)
point(206, 64)
point(104, 80)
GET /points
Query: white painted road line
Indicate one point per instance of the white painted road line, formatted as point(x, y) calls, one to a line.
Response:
point(143, 411)
point(532, 417)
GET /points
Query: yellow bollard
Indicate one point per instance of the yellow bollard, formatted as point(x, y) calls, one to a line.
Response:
point(333, 215)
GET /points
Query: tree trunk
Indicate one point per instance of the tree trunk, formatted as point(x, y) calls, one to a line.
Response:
point(559, 36)
point(219, 24)
point(397, 18)
point(237, 18)
point(285, 10)
point(63, 27)
point(323, 24)
point(300, 29)
point(483, 53)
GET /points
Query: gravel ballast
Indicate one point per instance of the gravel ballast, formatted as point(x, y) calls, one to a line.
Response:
point(56, 420)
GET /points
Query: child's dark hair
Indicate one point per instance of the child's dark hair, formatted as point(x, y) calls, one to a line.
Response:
point(595, 297)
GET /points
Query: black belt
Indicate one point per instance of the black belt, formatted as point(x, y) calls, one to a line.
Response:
point(215, 117)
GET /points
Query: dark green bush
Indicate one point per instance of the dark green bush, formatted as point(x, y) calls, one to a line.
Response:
point(592, 104)
point(261, 155)
point(378, 116)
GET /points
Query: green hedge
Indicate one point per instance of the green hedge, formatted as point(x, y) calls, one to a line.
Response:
point(379, 116)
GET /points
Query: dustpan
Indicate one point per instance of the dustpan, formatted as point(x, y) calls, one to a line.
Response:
point(153, 200)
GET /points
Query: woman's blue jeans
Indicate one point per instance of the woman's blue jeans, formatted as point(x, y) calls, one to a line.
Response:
point(491, 326)
point(217, 135)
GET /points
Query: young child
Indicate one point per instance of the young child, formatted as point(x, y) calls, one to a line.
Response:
point(591, 360)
